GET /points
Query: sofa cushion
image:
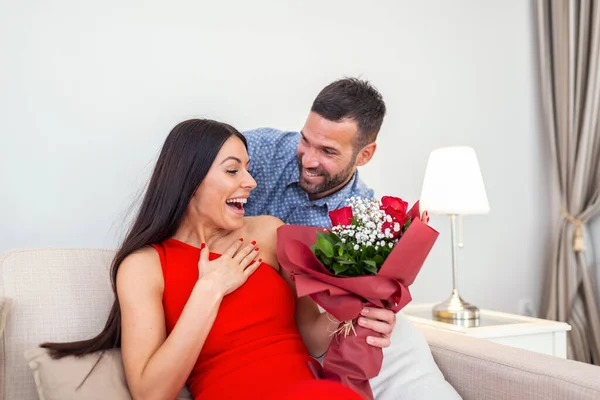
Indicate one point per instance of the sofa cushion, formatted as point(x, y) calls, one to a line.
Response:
point(65, 378)
point(483, 370)
point(57, 295)
point(409, 370)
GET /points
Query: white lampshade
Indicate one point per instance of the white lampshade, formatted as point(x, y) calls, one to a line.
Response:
point(453, 183)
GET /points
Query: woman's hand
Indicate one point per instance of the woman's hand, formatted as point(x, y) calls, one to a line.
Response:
point(232, 269)
point(379, 320)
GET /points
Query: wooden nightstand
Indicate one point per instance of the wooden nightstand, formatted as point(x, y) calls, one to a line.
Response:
point(539, 335)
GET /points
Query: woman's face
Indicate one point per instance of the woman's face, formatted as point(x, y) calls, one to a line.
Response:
point(220, 198)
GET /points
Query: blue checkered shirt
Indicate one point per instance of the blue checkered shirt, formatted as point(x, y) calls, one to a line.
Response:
point(274, 167)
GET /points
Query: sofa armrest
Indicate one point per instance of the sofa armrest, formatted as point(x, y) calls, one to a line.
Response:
point(481, 369)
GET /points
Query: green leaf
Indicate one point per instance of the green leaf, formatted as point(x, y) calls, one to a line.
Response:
point(338, 268)
point(325, 246)
point(371, 263)
point(371, 268)
point(335, 238)
point(321, 235)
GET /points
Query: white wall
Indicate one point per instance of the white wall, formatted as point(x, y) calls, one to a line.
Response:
point(90, 90)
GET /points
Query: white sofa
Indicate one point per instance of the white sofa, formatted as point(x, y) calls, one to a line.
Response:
point(64, 294)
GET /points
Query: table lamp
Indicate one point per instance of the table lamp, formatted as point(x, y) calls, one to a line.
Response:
point(453, 186)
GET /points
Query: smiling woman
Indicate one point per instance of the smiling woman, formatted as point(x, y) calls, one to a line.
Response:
point(220, 321)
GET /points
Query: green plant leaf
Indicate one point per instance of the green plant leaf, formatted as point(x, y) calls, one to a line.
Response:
point(338, 268)
point(334, 238)
point(325, 246)
point(371, 268)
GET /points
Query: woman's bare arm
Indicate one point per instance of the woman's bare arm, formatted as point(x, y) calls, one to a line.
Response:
point(158, 366)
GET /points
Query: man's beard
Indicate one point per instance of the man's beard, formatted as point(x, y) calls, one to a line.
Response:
point(329, 182)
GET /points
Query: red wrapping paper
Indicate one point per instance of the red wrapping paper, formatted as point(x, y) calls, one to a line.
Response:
point(349, 358)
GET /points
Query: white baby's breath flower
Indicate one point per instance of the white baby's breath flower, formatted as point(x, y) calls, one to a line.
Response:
point(391, 245)
point(356, 247)
point(343, 240)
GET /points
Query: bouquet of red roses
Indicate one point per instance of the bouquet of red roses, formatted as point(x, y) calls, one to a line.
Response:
point(369, 257)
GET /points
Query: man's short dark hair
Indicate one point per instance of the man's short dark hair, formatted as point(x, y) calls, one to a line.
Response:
point(354, 99)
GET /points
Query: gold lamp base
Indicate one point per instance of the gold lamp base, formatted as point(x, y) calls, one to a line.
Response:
point(456, 311)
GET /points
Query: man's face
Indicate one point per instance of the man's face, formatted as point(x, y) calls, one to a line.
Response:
point(326, 155)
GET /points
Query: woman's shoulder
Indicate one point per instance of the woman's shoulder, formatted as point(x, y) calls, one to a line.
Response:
point(263, 229)
point(146, 254)
point(142, 264)
point(263, 222)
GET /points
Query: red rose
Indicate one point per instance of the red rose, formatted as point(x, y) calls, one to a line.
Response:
point(396, 208)
point(395, 203)
point(341, 216)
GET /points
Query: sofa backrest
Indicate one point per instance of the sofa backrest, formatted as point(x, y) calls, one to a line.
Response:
point(58, 295)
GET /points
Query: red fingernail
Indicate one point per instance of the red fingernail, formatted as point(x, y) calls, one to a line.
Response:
point(202, 246)
point(260, 260)
point(256, 249)
point(241, 239)
point(253, 242)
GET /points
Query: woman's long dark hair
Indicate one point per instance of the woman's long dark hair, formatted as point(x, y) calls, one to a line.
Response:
point(184, 161)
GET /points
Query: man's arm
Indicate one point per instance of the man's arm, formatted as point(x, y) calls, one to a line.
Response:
point(260, 149)
point(271, 151)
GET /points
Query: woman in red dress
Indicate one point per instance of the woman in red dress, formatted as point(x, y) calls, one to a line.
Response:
point(200, 298)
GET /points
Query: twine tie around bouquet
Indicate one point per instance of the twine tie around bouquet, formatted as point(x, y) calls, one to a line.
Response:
point(344, 327)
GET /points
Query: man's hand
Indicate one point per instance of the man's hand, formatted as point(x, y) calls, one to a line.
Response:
point(379, 320)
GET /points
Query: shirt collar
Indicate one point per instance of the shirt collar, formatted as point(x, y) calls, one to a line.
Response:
point(334, 200)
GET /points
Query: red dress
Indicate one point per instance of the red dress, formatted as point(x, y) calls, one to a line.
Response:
point(254, 350)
